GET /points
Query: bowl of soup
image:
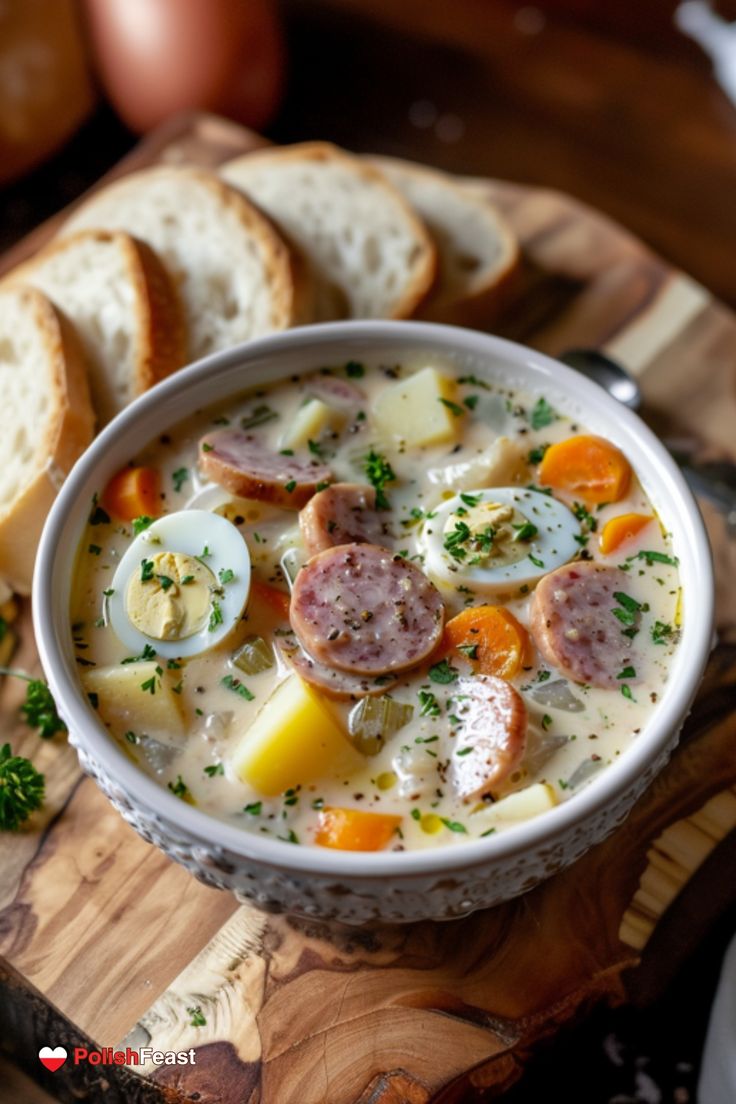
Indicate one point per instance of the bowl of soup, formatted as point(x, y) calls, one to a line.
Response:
point(374, 621)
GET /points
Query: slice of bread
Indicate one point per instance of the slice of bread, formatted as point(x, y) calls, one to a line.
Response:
point(47, 417)
point(123, 306)
point(370, 254)
point(230, 266)
point(478, 254)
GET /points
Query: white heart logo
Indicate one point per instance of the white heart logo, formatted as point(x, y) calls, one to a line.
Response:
point(52, 1059)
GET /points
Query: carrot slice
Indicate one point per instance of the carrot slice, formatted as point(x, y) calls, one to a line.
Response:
point(588, 468)
point(132, 493)
point(621, 529)
point(271, 596)
point(354, 830)
point(491, 638)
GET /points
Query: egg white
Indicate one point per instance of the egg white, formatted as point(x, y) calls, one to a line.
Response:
point(554, 544)
point(189, 532)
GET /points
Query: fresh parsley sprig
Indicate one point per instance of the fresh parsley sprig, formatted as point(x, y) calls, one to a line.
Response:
point(21, 789)
point(39, 708)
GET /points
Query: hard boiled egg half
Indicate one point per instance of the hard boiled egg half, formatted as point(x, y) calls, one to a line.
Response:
point(181, 586)
point(498, 538)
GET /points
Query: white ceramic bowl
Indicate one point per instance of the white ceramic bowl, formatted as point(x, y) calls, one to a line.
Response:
point(357, 888)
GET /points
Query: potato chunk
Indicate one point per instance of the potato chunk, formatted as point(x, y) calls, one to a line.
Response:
point(525, 804)
point(137, 697)
point(294, 739)
point(310, 423)
point(415, 409)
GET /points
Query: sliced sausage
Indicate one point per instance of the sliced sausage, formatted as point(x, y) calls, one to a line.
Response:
point(336, 684)
point(343, 513)
point(242, 465)
point(361, 608)
point(492, 738)
point(574, 626)
point(335, 391)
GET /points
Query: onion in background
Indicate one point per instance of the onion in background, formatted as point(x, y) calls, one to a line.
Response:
point(157, 57)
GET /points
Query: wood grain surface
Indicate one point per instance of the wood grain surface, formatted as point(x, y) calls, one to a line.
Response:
point(102, 938)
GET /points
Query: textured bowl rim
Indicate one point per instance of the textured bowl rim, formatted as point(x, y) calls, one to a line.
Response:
point(662, 476)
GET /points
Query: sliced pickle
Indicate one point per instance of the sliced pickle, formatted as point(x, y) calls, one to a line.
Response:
point(373, 720)
point(255, 656)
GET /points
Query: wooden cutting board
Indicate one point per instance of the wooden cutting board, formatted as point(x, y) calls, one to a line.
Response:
point(103, 939)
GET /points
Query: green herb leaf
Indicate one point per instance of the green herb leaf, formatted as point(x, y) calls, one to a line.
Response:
point(237, 687)
point(213, 769)
point(179, 788)
point(627, 673)
point(655, 557)
point(226, 575)
point(179, 478)
point(442, 672)
point(471, 401)
point(146, 570)
point(542, 414)
point(254, 809)
point(525, 532)
point(453, 407)
point(21, 789)
point(197, 1018)
point(661, 632)
point(379, 473)
point(536, 455)
point(453, 825)
point(94, 549)
point(429, 706)
point(147, 653)
point(290, 486)
point(141, 523)
point(354, 369)
point(215, 616)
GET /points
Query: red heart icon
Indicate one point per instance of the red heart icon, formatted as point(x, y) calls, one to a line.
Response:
point(52, 1059)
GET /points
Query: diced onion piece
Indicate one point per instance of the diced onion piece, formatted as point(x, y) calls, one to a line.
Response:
point(373, 720)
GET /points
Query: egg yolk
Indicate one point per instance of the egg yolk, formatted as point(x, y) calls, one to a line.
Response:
point(170, 598)
point(487, 534)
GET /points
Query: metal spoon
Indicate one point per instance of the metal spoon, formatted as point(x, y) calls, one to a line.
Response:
point(714, 481)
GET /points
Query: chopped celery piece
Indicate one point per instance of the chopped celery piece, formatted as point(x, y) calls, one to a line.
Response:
point(373, 720)
point(557, 695)
point(255, 656)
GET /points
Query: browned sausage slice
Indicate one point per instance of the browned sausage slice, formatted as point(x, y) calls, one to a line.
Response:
point(343, 513)
point(492, 738)
point(242, 465)
point(361, 608)
point(574, 626)
point(335, 684)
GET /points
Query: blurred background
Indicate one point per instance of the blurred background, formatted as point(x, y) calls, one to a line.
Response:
point(611, 102)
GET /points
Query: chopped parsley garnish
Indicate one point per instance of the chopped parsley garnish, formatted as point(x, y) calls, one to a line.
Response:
point(469, 650)
point(627, 673)
point(469, 500)
point(463, 751)
point(206, 447)
point(536, 455)
point(132, 738)
point(290, 486)
point(584, 516)
point(379, 473)
point(354, 369)
point(205, 553)
point(254, 809)
point(475, 382)
point(179, 478)
point(187, 579)
point(453, 825)
point(260, 415)
point(415, 814)
point(525, 532)
point(442, 672)
point(213, 769)
point(314, 447)
point(197, 1018)
point(165, 582)
point(290, 837)
point(542, 414)
point(94, 549)
point(173, 665)
point(536, 561)
point(453, 407)
point(179, 788)
point(146, 570)
point(546, 721)
point(149, 686)
point(471, 401)
point(626, 691)
point(655, 557)
point(141, 523)
point(98, 515)
point(109, 592)
point(627, 601)
point(286, 452)
point(429, 706)
point(147, 653)
point(237, 687)
point(661, 632)
point(215, 616)
point(226, 575)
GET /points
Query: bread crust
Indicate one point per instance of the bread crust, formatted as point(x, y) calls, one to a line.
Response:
point(67, 431)
point(425, 262)
point(487, 299)
point(274, 252)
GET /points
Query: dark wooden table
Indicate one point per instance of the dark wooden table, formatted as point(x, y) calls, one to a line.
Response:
point(604, 101)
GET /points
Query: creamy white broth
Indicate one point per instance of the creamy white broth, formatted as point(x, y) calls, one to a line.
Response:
point(409, 776)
